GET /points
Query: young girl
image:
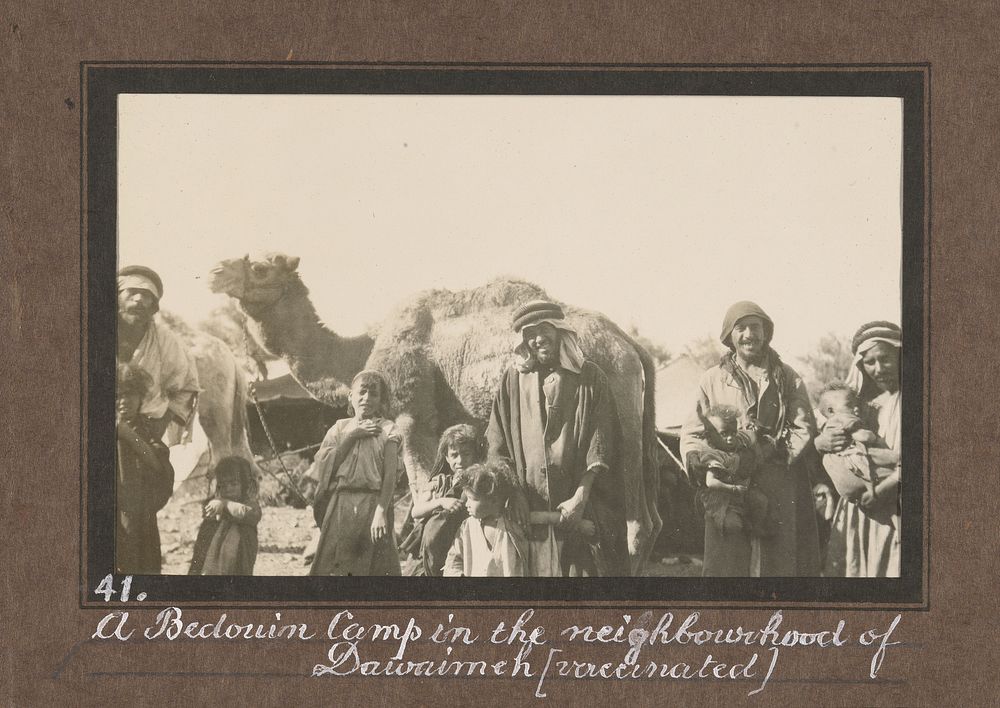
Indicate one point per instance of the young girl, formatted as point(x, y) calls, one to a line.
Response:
point(357, 464)
point(227, 539)
point(145, 479)
point(486, 544)
point(437, 508)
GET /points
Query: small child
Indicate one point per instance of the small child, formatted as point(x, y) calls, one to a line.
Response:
point(227, 539)
point(486, 545)
point(731, 500)
point(437, 509)
point(145, 479)
point(357, 465)
point(855, 472)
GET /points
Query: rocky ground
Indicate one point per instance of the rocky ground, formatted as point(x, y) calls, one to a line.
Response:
point(284, 532)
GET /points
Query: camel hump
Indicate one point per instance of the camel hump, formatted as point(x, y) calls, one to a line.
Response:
point(416, 319)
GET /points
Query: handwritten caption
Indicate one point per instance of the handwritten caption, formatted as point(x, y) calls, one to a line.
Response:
point(633, 647)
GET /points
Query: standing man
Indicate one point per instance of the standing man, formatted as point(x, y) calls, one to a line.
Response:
point(555, 421)
point(151, 346)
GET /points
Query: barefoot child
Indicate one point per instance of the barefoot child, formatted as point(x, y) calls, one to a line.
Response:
point(437, 508)
point(486, 544)
point(865, 471)
point(227, 539)
point(145, 478)
point(357, 463)
point(730, 499)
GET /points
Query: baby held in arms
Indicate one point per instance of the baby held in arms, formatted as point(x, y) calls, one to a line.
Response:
point(865, 470)
point(729, 460)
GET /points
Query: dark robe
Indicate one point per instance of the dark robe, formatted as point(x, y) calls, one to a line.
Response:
point(227, 546)
point(145, 482)
point(553, 428)
point(430, 538)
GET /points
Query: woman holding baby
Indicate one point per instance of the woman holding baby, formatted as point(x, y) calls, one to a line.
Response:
point(864, 538)
point(771, 401)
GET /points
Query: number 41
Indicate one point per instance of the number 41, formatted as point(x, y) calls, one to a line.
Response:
point(107, 588)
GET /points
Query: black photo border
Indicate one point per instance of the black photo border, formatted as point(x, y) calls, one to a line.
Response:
point(102, 82)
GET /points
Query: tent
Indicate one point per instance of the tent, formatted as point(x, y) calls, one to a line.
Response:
point(295, 419)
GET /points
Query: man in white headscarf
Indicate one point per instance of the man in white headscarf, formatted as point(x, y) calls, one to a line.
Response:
point(555, 421)
point(148, 343)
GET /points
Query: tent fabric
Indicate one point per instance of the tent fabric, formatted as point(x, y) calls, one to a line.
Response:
point(283, 387)
point(676, 391)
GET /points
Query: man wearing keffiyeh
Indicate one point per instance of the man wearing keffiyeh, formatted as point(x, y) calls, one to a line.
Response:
point(772, 401)
point(554, 419)
point(149, 344)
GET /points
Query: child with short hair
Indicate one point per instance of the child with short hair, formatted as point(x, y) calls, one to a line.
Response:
point(437, 509)
point(730, 458)
point(145, 479)
point(857, 472)
point(487, 545)
point(227, 540)
point(357, 462)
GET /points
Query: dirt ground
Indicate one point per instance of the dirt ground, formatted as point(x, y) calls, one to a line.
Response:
point(284, 532)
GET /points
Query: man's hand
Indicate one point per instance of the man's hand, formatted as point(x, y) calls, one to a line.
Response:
point(517, 509)
point(823, 501)
point(214, 508)
point(832, 439)
point(379, 528)
point(450, 504)
point(572, 508)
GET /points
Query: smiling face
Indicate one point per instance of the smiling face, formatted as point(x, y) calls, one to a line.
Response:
point(136, 306)
point(366, 397)
point(748, 338)
point(543, 342)
point(881, 364)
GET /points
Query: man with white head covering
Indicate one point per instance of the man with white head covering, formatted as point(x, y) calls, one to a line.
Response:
point(554, 419)
point(148, 343)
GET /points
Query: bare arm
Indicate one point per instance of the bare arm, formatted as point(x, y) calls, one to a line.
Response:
point(391, 458)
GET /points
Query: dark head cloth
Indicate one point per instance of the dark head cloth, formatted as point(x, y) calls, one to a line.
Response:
point(880, 328)
point(144, 272)
point(536, 311)
point(737, 312)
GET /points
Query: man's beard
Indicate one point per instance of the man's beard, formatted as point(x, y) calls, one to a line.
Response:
point(135, 317)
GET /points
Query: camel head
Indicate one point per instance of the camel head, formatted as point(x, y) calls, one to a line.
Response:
point(255, 280)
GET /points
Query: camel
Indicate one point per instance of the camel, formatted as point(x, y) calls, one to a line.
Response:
point(443, 354)
point(223, 397)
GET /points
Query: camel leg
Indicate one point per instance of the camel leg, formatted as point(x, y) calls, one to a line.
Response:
point(419, 447)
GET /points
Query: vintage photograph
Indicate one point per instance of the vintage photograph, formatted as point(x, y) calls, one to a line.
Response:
point(504, 336)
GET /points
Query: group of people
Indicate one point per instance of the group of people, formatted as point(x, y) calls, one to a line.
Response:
point(751, 447)
point(156, 393)
point(540, 493)
point(536, 496)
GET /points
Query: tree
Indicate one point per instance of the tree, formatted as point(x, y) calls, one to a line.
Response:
point(661, 355)
point(830, 360)
point(705, 351)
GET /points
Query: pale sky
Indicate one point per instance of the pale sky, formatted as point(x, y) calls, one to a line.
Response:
point(658, 211)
